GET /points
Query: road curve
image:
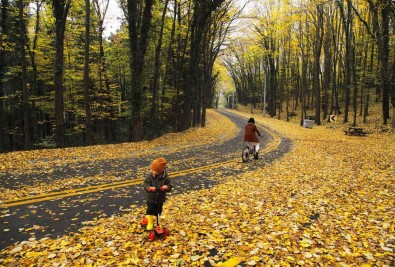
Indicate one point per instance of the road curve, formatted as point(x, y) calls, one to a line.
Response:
point(63, 212)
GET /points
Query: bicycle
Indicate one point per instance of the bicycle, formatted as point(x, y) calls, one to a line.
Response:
point(249, 150)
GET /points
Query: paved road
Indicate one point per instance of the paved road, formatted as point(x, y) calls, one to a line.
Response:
point(54, 217)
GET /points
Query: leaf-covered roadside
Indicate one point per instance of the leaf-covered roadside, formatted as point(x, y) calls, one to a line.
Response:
point(329, 202)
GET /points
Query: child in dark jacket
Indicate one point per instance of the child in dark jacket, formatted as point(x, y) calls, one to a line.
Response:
point(156, 184)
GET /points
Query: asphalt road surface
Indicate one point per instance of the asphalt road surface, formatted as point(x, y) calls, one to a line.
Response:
point(64, 212)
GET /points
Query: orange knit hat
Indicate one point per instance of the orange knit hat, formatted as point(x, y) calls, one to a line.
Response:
point(158, 165)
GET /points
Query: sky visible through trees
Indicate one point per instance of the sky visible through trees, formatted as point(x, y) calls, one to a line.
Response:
point(113, 21)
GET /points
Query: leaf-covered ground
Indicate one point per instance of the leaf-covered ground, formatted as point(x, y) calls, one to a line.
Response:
point(329, 202)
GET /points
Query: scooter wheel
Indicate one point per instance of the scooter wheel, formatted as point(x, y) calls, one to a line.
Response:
point(151, 235)
point(166, 232)
point(144, 222)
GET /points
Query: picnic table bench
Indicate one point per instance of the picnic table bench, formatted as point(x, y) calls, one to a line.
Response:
point(310, 117)
point(355, 131)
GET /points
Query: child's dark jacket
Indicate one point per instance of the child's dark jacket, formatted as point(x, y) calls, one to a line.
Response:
point(158, 181)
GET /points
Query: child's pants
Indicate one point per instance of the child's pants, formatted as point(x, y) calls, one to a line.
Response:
point(154, 209)
point(252, 146)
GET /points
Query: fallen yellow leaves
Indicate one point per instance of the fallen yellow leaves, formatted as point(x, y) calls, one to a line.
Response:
point(328, 202)
point(234, 261)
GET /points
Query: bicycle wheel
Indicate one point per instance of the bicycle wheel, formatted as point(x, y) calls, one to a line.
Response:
point(245, 154)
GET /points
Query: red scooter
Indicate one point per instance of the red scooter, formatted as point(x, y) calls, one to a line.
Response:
point(158, 231)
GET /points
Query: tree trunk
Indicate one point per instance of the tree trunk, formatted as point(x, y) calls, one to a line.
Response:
point(382, 36)
point(169, 59)
point(366, 110)
point(335, 83)
point(88, 114)
point(317, 55)
point(32, 51)
point(272, 84)
point(347, 27)
point(155, 87)
point(36, 90)
point(354, 76)
point(22, 42)
point(60, 9)
point(3, 40)
point(393, 90)
point(303, 82)
point(138, 48)
point(327, 65)
point(393, 114)
point(180, 71)
point(101, 14)
point(364, 78)
point(384, 59)
point(191, 97)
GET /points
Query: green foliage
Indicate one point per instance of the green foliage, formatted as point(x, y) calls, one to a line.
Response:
point(46, 142)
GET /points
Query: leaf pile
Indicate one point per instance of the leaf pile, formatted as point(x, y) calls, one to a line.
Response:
point(329, 202)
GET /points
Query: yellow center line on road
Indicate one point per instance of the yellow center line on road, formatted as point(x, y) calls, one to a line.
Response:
point(102, 187)
point(108, 186)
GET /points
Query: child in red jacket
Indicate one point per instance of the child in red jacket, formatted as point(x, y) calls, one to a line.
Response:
point(156, 184)
point(250, 134)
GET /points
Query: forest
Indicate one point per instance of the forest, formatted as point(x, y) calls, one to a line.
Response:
point(64, 83)
point(321, 57)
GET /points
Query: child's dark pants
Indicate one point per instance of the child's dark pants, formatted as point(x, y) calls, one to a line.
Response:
point(154, 209)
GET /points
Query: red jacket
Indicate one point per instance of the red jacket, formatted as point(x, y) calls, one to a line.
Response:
point(249, 133)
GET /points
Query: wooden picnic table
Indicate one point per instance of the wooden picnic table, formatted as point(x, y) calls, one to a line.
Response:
point(356, 131)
